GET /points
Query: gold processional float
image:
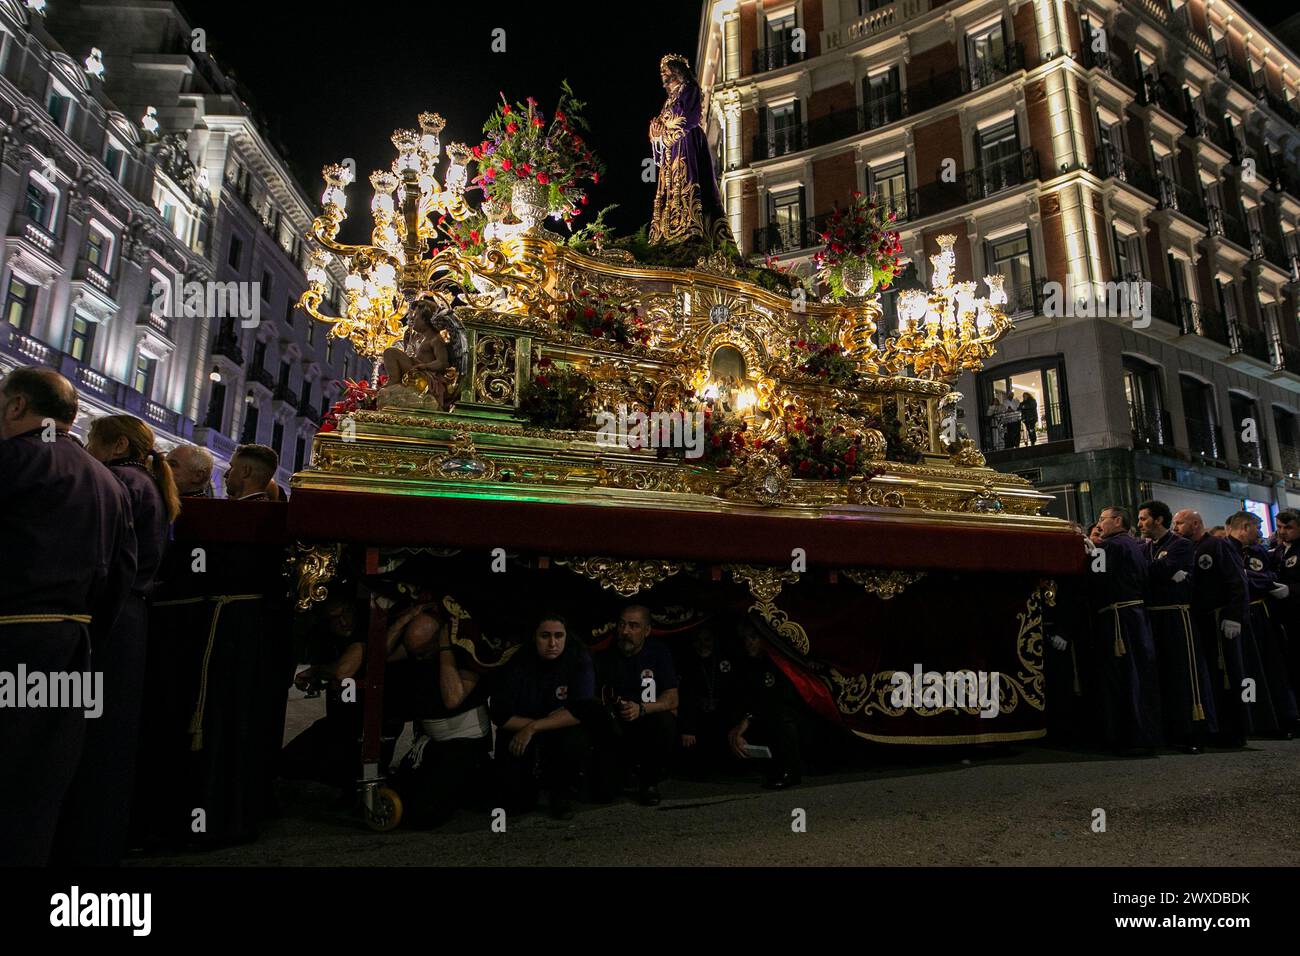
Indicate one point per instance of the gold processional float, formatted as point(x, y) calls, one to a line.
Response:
point(778, 368)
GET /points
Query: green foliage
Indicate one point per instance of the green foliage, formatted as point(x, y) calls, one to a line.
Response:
point(559, 397)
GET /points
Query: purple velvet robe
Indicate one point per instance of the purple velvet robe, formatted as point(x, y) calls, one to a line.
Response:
point(687, 202)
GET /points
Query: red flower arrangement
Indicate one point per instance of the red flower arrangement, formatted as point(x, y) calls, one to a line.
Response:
point(594, 312)
point(520, 140)
point(818, 356)
point(859, 237)
point(820, 452)
point(356, 396)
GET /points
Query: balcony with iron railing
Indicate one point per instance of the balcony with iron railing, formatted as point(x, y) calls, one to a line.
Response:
point(1153, 429)
point(227, 344)
point(940, 89)
point(1001, 175)
point(1208, 323)
point(1109, 162)
point(1282, 107)
point(1225, 225)
point(774, 57)
point(28, 350)
point(1201, 127)
point(779, 237)
point(1177, 198)
point(1164, 306)
point(1152, 92)
point(1110, 63)
point(283, 393)
point(262, 377)
point(1247, 340)
point(781, 142)
point(1265, 247)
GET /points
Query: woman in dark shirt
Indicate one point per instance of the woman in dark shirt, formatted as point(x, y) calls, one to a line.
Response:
point(93, 824)
point(537, 711)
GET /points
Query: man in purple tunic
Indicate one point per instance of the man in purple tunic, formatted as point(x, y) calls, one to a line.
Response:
point(69, 542)
point(687, 202)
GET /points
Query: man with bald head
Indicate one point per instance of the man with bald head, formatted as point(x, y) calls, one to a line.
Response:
point(1219, 606)
point(192, 469)
point(65, 521)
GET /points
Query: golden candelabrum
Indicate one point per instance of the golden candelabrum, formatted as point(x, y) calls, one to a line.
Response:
point(383, 275)
point(948, 330)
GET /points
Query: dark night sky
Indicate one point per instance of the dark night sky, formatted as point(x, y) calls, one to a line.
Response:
point(337, 86)
point(333, 85)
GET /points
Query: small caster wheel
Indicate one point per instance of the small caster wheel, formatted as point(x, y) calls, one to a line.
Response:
point(386, 813)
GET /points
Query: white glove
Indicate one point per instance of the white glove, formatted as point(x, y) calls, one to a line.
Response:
point(1231, 629)
point(1180, 577)
point(1280, 591)
point(1058, 642)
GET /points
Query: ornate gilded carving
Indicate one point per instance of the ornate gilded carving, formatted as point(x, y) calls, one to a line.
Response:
point(763, 480)
point(462, 461)
point(494, 370)
point(967, 455)
point(884, 584)
point(764, 583)
point(624, 577)
point(855, 693)
point(312, 567)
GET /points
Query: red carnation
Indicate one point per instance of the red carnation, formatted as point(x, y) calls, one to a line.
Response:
point(543, 179)
point(506, 165)
point(512, 128)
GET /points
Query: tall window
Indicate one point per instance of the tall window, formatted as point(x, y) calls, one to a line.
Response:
point(780, 31)
point(998, 150)
point(59, 106)
point(1204, 438)
point(266, 286)
point(1024, 403)
point(1245, 413)
point(881, 100)
point(142, 377)
point(216, 406)
point(20, 300)
point(115, 159)
point(1288, 439)
point(285, 370)
point(889, 183)
point(81, 340)
point(986, 53)
point(99, 248)
point(783, 129)
point(236, 251)
point(277, 437)
point(259, 356)
point(299, 452)
point(250, 423)
point(41, 202)
point(1011, 257)
point(1128, 256)
point(785, 220)
point(1146, 409)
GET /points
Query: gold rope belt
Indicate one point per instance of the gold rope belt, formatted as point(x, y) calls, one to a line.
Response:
point(1184, 610)
point(1119, 637)
point(220, 600)
point(43, 618)
point(1262, 602)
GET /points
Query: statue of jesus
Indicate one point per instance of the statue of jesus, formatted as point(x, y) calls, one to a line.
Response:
point(687, 202)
